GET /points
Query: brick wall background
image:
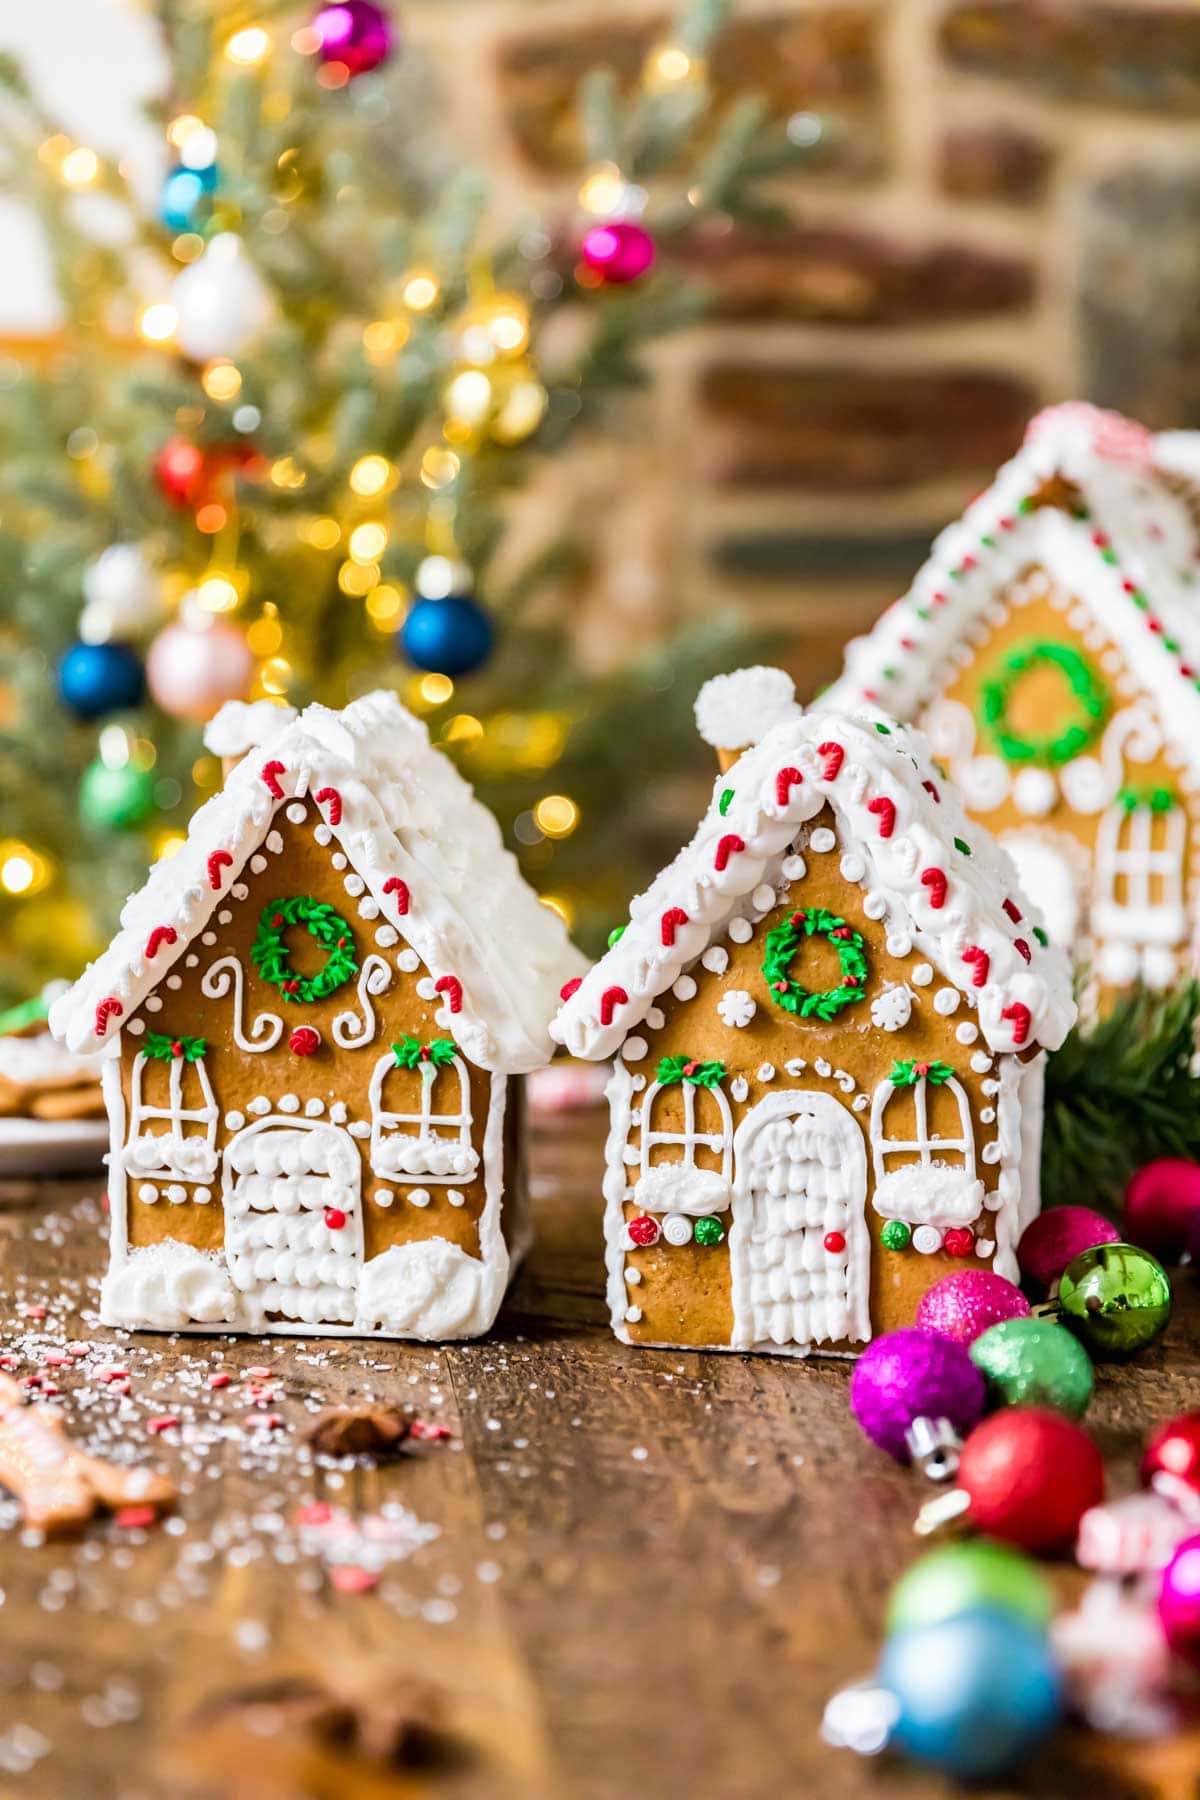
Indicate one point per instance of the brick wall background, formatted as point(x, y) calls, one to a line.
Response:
point(1011, 216)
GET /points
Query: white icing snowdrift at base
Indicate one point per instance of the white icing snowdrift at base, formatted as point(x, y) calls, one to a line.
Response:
point(430, 1290)
point(167, 1286)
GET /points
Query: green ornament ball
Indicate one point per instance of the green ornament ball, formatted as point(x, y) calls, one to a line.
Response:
point(895, 1235)
point(1117, 1298)
point(1034, 1362)
point(708, 1231)
point(960, 1577)
point(115, 799)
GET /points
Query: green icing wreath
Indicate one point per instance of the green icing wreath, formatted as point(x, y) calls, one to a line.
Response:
point(1086, 686)
point(273, 961)
point(782, 945)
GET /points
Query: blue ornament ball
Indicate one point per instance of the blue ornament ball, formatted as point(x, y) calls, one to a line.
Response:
point(183, 195)
point(447, 637)
point(94, 679)
point(976, 1692)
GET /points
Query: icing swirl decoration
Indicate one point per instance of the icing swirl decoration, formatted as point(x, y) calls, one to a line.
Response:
point(784, 942)
point(1051, 749)
point(273, 960)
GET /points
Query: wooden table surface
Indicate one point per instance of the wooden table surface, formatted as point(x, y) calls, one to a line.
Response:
point(651, 1569)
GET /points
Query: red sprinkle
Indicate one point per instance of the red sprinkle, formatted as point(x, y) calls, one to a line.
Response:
point(113, 1374)
point(220, 1379)
point(55, 1360)
point(35, 1312)
point(348, 1578)
point(259, 1372)
point(429, 1429)
point(135, 1518)
point(316, 1512)
point(165, 1422)
point(268, 1421)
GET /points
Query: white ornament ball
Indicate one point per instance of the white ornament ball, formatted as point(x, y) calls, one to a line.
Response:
point(192, 670)
point(122, 594)
point(220, 301)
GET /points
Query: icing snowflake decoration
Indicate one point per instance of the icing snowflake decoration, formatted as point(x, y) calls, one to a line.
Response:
point(892, 1009)
point(930, 875)
point(736, 1007)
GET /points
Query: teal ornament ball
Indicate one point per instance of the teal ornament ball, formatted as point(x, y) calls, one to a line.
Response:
point(1116, 1297)
point(959, 1577)
point(1034, 1362)
point(115, 799)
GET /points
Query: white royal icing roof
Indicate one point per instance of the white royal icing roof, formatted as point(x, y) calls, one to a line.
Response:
point(407, 816)
point(1133, 563)
point(902, 818)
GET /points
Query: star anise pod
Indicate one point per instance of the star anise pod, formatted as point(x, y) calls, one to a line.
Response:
point(375, 1430)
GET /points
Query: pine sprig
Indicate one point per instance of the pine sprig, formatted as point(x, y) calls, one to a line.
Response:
point(1120, 1094)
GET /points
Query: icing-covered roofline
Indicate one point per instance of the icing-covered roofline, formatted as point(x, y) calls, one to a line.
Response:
point(935, 877)
point(429, 853)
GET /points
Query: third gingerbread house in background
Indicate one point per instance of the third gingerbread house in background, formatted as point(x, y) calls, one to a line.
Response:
point(1050, 649)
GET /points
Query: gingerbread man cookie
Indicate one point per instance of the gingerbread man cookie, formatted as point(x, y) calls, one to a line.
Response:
point(58, 1486)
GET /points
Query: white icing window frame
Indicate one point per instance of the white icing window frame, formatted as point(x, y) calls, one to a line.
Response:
point(385, 1122)
point(689, 1139)
point(1138, 918)
point(175, 1113)
point(929, 1150)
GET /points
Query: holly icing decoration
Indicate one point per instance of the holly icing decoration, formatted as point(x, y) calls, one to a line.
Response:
point(273, 961)
point(907, 1074)
point(1087, 689)
point(161, 1047)
point(1155, 800)
point(411, 1053)
point(673, 1069)
point(782, 945)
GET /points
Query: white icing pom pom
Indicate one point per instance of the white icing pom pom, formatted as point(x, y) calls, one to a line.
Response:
point(735, 710)
point(242, 725)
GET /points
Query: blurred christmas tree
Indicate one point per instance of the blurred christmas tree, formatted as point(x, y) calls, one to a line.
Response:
point(270, 453)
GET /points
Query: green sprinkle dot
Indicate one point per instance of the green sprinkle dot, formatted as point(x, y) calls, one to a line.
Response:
point(889, 674)
point(1040, 935)
point(883, 730)
point(615, 935)
point(964, 847)
point(1025, 506)
point(726, 800)
point(1171, 645)
point(895, 1235)
point(988, 542)
point(709, 1231)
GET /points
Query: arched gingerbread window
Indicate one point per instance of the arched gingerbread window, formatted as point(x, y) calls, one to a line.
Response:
point(676, 1182)
point(921, 1175)
point(421, 1113)
point(1138, 901)
point(176, 1143)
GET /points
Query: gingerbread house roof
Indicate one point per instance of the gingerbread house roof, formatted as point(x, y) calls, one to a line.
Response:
point(940, 882)
point(1112, 514)
point(430, 857)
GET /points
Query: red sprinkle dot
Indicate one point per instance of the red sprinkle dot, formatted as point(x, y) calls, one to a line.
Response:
point(429, 1429)
point(835, 1243)
point(219, 1380)
point(35, 1312)
point(335, 1218)
point(166, 1422)
point(317, 1512)
point(348, 1578)
point(135, 1518)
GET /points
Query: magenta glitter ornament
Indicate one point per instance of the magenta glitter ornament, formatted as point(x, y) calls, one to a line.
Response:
point(619, 251)
point(1057, 1237)
point(914, 1374)
point(962, 1305)
point(356, 33)
point(1179, 1600)
point(1162, 1201)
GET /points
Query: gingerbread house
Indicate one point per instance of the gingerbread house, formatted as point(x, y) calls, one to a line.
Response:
point(829, 1018)
point(309, 1027)
point(1050, 649)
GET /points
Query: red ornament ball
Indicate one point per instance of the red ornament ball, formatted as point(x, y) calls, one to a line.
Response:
point(304, 1041)
point(1030, 1476)
point(335, 1218)
point(835, 1242)
point(1179, 1600)
point(1162, 1201)
point(1171, 1464)
point(1056, 1237)
point(963, 1305)
point(958, 1241)
point(619, 251)
point(643, 1231)
point(181, 472)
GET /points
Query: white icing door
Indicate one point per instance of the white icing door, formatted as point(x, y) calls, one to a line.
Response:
point(799, 1248)
point(293, 1219)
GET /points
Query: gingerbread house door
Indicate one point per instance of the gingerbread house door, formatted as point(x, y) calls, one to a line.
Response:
point(293, 1220)
point(799, 1246)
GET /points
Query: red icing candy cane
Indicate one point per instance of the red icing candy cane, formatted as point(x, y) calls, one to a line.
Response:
point(162, 934)
point(1013, 911)
point(610, 999)
point(270, 772)
point(570, 987)
point(885, 811)
point(981, 961)
point(394, 885)
point(935, 881)
point(834, 756)
point(728, 846)
point(335, 803)
point(1023, 947)
point(107, 1009)
point(785, 781)
point(451, 986)
point(1021, 1018)
point(672, 919)
point(220, 859)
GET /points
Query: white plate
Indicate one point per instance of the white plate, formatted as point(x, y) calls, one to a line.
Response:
point(52, 1147)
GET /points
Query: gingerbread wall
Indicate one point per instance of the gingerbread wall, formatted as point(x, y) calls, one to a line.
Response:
point(293, 863)
point(684, 1292)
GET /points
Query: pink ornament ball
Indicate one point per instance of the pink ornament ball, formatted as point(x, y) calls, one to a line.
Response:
point(1056, 1237)
point(1179, 1600)
point(355, 33)
point(961, 1306)
point(1162, 1201)
point(192, 671)
point(619, 251)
